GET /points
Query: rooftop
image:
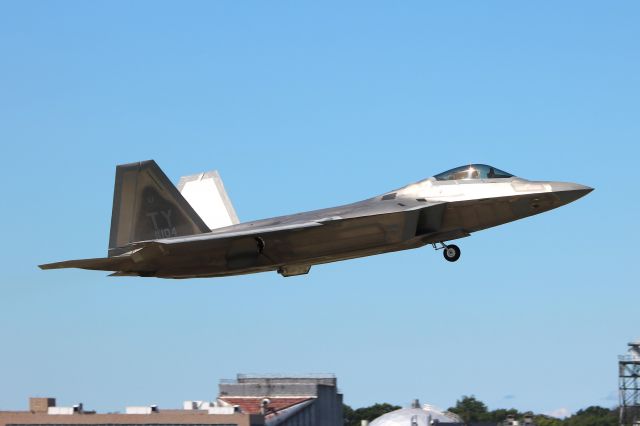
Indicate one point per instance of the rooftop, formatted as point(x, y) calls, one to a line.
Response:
point(253, 405)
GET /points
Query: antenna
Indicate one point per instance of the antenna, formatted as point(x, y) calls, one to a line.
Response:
point(629, 385)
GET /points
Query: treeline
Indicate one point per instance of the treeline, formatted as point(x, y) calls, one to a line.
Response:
point(354, 417)
point(471, 410)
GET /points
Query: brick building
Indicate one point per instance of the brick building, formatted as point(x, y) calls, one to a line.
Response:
point(44, 412)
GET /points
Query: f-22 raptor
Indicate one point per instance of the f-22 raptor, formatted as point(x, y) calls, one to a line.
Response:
point(158, 230)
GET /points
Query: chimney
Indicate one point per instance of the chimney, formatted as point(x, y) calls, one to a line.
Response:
point(41, 405)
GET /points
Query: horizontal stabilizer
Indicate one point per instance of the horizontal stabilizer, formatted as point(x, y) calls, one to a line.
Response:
point(98, 264)
point(206, 194)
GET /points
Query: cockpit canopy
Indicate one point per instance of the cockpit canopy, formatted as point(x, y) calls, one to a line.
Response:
point(473, 172)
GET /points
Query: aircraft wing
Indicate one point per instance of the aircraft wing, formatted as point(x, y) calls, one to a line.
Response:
point(140, 256)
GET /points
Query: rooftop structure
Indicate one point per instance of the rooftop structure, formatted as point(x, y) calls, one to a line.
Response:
point(511, 420)
point(417, 415)
point(285, 400)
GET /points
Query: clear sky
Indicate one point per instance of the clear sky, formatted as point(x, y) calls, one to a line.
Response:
point(304, 105)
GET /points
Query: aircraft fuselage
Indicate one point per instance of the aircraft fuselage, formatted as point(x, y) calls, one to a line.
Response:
point(465, 207)
point(445, 207)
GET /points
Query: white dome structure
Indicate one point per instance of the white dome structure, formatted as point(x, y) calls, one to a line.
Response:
point(426, 415)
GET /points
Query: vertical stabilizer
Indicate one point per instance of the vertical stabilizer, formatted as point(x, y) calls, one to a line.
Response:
point(206, 194)
point(147, 206)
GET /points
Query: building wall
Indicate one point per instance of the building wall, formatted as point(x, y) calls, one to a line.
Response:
point(329, 406)
point(275, 386)
point(325, 410)
point(306, 417)
point(267, 389)
point(174, 418)
point(329, 380)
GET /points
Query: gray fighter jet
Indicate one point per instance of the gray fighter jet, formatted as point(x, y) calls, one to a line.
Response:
point(158, 230)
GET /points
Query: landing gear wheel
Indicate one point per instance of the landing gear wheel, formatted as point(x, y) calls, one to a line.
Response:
point(451, 252)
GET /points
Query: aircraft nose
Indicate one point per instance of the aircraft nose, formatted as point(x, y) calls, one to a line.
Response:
point(568, 192)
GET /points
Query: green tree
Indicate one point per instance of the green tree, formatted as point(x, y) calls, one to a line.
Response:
point(347, 412)
point(353, 417)
point(593, 416)
point(543, 420)
point(499, 415)
point(470, 409)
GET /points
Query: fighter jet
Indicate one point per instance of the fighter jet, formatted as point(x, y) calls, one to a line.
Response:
point(158, 230)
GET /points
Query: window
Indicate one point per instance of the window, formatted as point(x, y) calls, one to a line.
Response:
point(473, 172)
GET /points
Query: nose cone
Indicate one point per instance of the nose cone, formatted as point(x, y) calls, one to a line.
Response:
point(568, 192)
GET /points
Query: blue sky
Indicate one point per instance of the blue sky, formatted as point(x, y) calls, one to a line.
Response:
point(304, 105)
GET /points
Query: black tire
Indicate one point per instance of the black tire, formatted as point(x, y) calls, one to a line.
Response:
point(451, 252)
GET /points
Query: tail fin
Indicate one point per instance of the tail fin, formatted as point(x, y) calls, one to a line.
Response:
point(206, 194)
point(147, 206)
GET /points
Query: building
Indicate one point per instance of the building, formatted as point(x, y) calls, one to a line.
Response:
point(245, 401)
point(44, 412)
point(511, 420)
point(428, 415)
point(417, 415)
point(286, 401)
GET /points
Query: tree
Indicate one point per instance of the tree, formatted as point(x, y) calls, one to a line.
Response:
point(353, 417)
point(544, 420)
point(593, 416)
point(347, 412)
point(499, 415)
point(470, 409)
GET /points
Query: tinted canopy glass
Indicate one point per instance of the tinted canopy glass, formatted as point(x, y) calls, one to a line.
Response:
point(473, 171)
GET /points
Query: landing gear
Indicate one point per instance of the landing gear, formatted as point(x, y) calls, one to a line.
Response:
point(451, 252)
